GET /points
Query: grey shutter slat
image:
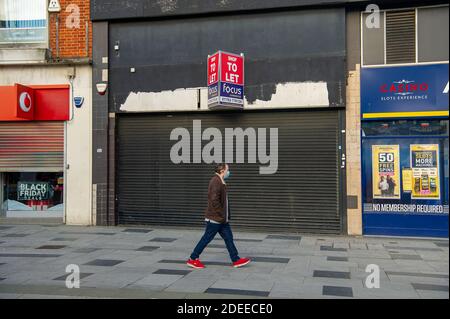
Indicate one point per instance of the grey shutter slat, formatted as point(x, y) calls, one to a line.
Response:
point(400, 36)
point(301, 197)
point(31, 145)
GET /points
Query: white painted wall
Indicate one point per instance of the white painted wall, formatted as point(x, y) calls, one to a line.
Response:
point(292, 94)
point(78, 178)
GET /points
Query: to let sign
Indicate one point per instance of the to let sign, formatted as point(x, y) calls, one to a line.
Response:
point(225, 80)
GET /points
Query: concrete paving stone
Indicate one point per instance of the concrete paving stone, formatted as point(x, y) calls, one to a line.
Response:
point(429, 294)
point(338, 291)
point(14, 279)
point(337, 258)
point(341, 245)
point(333, 249)
point(262, 259)
point(137, 230)
point(90, 233)
point(319, 261)
point(13, 235)
point(112, 279)
point(419, 265)
point(104, 262)
point(85, 250)
point(419, 274)
point(307, 289)
point(158, 280)
point(406, 256)
point(419, 280)
point(172, 272)
point(382, 254)
point(247, 284)
point(48, 247)
point(188, 285)
point(29, 255)
point(328, 253)
point(234, 275)
point(37, 296)
point(64, 239)
point(413, 249)
point(163, 239)
point(331, 274)
point(148, 248)
point(9, 296)
point(441, 243)
point(141, 261)
point(359, 246)
point(431, 256)
point(386, 293)
point(361, 274)
point(441, 266)
point(284, 237)
point(364, 262)
point(78, 258)
point(252, 293)
point(64, 277)
point(375, 246)
point(432, 287)
point(260, 251)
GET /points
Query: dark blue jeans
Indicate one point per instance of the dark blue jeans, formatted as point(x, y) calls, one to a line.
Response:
point(211, 230)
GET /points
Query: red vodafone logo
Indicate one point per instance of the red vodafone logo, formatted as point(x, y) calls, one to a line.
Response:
point(25, 102)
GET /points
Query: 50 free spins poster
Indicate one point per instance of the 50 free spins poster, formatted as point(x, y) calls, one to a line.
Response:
point(386, 171)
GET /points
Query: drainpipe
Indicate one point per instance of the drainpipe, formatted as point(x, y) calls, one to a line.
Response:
point(71, 76)
point(57, 36)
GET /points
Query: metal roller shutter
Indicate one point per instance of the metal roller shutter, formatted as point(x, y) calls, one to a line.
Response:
point(401, 36)
point(36, 146)
point(302, 196)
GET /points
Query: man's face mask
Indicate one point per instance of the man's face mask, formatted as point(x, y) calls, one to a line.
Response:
point(227, 174)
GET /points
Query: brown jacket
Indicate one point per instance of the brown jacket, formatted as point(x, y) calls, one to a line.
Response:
point(217, 200)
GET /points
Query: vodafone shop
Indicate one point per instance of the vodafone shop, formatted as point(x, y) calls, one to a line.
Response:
point(32, 150)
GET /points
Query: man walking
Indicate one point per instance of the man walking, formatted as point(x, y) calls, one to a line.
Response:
point(217, 216)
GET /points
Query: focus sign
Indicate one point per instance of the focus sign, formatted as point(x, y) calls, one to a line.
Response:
point(225, 80)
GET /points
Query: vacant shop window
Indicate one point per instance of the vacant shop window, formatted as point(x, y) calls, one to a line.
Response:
point(406, 36)
point(33, 191)
point(433, 34)
point(23, 22)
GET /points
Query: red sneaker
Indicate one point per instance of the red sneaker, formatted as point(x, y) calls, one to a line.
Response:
point(241, 262)
point(197, 264)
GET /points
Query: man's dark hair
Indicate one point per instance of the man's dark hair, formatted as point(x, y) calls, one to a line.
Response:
point(220, 167)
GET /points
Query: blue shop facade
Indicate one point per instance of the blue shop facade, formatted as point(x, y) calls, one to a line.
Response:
point(404, 150)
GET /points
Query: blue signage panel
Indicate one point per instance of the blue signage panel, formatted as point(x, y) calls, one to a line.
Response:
point(405, 215)
point(404, 90)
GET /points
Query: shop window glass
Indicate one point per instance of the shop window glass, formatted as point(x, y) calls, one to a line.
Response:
point(28, 191)
point(23, 21)
point(405, 128)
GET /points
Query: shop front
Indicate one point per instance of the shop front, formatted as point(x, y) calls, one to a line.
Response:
point(32, 150)
point(280, 127)
point(405, 152)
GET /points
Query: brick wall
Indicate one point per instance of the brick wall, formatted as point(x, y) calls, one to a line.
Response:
point(71, 30)
point(353, 127)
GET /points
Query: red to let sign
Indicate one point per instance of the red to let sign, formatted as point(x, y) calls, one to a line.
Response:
point(213, 68)
point(232, 68)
